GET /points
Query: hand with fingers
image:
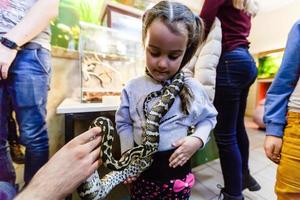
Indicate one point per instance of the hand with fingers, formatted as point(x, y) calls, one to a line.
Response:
point(273, 147)
point(7, 56)
point(66, 170)
point(186, 147)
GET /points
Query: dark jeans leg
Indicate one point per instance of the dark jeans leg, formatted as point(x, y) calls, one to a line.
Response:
point(12, 128)
point(28, 88)
point(7, 191)
point(242, 136)
point(7, 172)
point(226, 137)
point(34, 160)
point(235, 73)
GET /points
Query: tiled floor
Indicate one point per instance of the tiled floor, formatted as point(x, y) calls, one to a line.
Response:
point(264, 171)
point(209, 175)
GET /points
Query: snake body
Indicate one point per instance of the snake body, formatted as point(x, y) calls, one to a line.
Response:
point(137, 159)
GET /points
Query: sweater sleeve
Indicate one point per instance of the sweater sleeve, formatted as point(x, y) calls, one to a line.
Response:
point(283, 85)
point(206, 119)
point(209, 12)
point(124, 123)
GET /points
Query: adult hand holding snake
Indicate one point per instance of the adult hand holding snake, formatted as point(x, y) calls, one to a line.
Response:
point(186, 147)
point(67, 168)
point(7, 56)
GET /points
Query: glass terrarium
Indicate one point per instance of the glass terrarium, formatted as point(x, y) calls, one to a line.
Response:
point(269, 64)
point(108, 59)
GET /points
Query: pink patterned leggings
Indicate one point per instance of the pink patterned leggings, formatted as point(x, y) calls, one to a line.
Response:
point(143, 189)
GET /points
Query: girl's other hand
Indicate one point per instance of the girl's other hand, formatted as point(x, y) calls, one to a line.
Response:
point(186, 147)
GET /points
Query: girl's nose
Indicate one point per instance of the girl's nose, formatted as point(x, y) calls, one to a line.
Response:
point(162, 63)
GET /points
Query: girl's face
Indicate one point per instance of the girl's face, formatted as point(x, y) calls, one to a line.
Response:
point(164, 50)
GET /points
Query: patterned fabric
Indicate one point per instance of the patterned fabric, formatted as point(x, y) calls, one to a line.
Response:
point(288, 172)
point(143, 189)
point(13, 11)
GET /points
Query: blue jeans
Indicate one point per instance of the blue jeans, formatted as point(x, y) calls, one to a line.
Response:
point(236, 72)
point(27, 87)
point(7, 191)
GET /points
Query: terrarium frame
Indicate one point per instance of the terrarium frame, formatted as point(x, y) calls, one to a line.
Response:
point(112, 8)
point(107, 60)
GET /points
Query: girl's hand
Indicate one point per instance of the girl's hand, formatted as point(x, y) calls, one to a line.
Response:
point(130, 180)
point(186, 147)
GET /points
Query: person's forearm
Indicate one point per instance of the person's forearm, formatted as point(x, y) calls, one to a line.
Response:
point(66, 169)
point(36, 194)
point(36, 20)
point(41, 187)
point(277, 98)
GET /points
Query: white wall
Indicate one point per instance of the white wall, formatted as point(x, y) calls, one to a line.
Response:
point(270, 28)
point(269, 31)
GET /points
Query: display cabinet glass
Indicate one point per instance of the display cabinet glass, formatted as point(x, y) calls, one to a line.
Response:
point(108, 59)
point(269, 64)
point(65, 28)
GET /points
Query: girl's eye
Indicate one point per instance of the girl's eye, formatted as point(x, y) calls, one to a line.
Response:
point(154, 54)
point(173, 57)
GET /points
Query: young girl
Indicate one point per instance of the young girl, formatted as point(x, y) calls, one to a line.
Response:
point(171, 35)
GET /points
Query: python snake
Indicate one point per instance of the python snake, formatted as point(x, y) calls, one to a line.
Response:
point(136, 160)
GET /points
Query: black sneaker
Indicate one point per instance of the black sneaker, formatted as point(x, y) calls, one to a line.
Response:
point(250, 183)
point(16, 153)
point(224, 196)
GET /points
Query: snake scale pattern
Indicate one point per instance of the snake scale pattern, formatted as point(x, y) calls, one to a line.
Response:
point(137, 159)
